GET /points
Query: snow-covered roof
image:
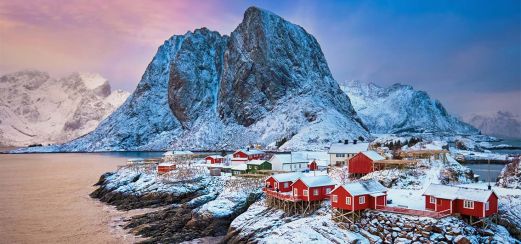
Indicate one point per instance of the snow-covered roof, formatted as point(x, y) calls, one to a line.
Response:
point(307, 156)
point(316, 181)
point(364, 187)
point(348, 148)
point(215, 156)
point(256, 162)
point(250, 151)
point(166, 164)
point(457, 192)
point(373, 155)
point(240, 167)
point(287, 176)
point(171, 153)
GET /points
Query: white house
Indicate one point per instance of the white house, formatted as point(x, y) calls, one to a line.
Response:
point(297, 161)
point(340, 153)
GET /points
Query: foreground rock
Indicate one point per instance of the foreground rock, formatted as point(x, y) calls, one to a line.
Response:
point(202, 207)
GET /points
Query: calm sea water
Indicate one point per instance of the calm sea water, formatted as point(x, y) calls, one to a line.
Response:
point(44, 198)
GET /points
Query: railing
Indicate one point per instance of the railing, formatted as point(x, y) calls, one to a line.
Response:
point(415, 212)
point(279, 195)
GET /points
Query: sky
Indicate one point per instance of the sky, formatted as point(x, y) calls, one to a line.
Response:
point(467, 54)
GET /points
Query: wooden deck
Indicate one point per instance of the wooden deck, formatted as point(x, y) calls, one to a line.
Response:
point(414, 212)
point(286, 196)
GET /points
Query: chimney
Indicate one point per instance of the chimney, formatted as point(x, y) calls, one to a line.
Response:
point(354, 141)
point(489, 187)
point(346, 141)
point(248, 149)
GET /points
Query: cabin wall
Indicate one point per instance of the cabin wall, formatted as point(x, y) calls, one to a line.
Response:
point(428, 204)
point(341, 203)
point(493, 203)
point(443, 204)
point(270, 182)
point(298, 188)
point(360, 164)
point(477, 211)
point(285, 186)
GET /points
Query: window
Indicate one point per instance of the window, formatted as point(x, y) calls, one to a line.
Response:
point(315, 192)
point(468, 204)
point(286, 185)
point(306, 193)
point(487, 206)
point(361, 200)
point(348, 200)
point(276, 185)
point(339, 162)
point(328, 190)
point(335, 198)
point(295, 192)
point(432, 200)
point(340, 155)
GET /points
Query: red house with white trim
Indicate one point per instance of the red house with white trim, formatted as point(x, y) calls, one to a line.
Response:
point(165, 168)
point(214, 159)
point(313, 188)
point(313, 165)
point(473, 202)
point(362, 162)
point(359, 196)
point(249, 154)
point(282, 182)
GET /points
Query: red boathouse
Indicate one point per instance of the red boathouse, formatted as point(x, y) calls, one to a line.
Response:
point(282, 182)
point(313, 188)
point(359, 196)
point(249, 154)
point(479, 203)
point(313, 166)
point(363, 163)
point(214, 159)
point(165, 168)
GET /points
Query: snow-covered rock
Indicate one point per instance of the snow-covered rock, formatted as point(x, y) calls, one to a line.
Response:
point(502, 124)
point(510, 176)
point(400, 108)
point(38, 109)
point(268, 82)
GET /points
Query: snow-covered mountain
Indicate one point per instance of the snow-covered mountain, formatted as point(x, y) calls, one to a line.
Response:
point(400, 108)
point(38, 109)
point(267, 82)
point(502, 124)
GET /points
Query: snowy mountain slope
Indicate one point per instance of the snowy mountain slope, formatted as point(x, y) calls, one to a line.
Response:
point(502, 124)
point(267, 82)
point(38, 109)
point(400, 108)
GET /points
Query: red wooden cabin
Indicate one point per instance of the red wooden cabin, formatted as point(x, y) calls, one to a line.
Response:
point(165, 168)
point(313, 188)
point(313, 166)
point(282, 181)
point(473, 202)
point(359, 196)
point(249, 154)
point(214, 159)
point(362, 162)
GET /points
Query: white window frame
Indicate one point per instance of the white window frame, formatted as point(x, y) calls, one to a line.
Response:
point(295, 191)
point(348, 200)
point(286, 184)
point(334, 198)
point(276, 185)
point(315, 192)
point(328, 190)
point(305, 193)
point(487, 206)
point(361, 200)
point(432, 200)
point(468, 204)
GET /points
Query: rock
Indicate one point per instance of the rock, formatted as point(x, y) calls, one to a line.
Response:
point(461, 240)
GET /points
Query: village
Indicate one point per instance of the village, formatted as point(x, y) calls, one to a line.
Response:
point(298, 183)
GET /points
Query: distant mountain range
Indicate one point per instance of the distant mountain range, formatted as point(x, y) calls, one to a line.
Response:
point(38, 109)
point(501, 124)
point(401, 109)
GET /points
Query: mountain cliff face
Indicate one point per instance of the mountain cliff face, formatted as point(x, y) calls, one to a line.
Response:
point(267, 82)
point(38, 109)
point(400, 108)
point(502, 124)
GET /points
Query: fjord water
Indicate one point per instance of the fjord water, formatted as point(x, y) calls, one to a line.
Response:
point(44, 198)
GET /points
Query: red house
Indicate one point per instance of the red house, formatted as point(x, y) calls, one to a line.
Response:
point(165, 168)
point(313, 188)
point(249, 154)
point(313, 166)
point(282, 181)
point(362, 162)
point(214, 159)
point(473, 202)
point(359, 196)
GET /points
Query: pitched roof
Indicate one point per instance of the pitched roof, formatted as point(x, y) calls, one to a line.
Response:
point(316, 181)
point(215, 156)
point(250, 151)
point(240, 167)
point(166, 164)
point(348, 148)
point(364, 187)
point(457, 192)
point(287, 176)
point(373, 155)
point(256, 162)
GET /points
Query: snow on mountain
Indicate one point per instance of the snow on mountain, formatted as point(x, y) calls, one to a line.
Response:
point(502, 124)
point(400, 108)
point(38, 109)
point(268, 82)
